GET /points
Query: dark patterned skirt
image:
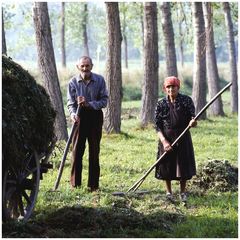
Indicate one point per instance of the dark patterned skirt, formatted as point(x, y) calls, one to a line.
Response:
point(178, 164)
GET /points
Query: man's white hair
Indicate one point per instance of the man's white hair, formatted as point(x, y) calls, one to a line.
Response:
point(85, 57)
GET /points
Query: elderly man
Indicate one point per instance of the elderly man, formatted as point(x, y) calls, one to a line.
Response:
point(89, 90)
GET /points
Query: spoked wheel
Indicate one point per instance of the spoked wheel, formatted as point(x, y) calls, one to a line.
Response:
point(20, 188)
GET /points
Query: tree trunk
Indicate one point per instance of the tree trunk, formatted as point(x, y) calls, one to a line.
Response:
point(63, 35)
point(212, 71)
point(47, 65)
point(123, 8)
point(84, 27)
point(125, 46)
point(150, 81)
point(168, 34)
point(112, 123)
point(199, 69)
point(4, 46)
point(181, 35)
point(232, 58)
point(142, 33)
point(125, 50)
point(181, 54)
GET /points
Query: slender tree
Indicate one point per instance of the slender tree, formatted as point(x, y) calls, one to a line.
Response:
point(112, 123)
point(123, 10)
point(4, 46)
point(63, 35)
point(142, 26)
point(47, 65)
point(232, 57)
point(138, 10)
point(199, 68)
point(84, 28)
point(180, 15)
point(150, 81)
point(168, 34)
point(212, 71)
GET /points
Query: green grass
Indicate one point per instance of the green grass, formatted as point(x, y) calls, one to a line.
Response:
point(125, 158)
point(211, 216)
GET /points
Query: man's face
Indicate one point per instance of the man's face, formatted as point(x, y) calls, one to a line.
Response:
point(85, 67)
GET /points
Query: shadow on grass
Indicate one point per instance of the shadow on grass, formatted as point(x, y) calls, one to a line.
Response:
point(79, 221)
point(121, 220)
point(132, 136)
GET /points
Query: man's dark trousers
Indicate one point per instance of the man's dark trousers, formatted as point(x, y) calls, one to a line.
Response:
point(89, 128)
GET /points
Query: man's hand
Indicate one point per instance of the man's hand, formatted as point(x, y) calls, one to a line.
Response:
point(75, 118)
point(82, 101)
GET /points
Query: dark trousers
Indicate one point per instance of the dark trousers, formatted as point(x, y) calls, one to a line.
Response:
point(89, 128)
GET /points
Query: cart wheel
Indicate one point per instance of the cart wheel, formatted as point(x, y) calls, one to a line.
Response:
point(20, 189)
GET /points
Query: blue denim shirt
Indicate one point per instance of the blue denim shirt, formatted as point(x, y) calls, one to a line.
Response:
point(95, 92)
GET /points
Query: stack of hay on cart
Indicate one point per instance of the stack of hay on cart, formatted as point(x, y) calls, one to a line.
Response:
point(27, 114)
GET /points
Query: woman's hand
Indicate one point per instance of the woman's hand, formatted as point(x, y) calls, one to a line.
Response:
point(193, 123)
point(166, 145)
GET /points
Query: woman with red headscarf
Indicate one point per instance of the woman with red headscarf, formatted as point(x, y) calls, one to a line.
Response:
point(172, 115)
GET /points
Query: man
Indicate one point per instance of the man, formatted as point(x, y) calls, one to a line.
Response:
point(89, 91)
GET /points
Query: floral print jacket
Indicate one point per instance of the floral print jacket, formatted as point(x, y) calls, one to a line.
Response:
point(162, 111)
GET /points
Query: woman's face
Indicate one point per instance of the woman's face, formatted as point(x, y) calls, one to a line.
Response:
point(172, 91)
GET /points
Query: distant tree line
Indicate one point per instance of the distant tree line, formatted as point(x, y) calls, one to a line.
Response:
point(18, 19)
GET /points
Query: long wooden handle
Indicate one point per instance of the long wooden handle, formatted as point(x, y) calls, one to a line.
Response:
point(212, 100)
point(136, 185)
point(60, 171)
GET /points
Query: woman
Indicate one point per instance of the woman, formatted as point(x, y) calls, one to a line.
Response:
point(172, 115)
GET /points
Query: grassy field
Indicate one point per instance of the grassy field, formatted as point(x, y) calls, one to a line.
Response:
point(125, 158)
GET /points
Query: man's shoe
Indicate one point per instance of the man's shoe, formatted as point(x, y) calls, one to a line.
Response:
point(93, 189)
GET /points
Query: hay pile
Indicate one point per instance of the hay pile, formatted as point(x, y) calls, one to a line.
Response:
point(217, 175)
point(28, 116)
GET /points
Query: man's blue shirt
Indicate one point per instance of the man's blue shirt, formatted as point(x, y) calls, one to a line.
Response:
point(95, 92)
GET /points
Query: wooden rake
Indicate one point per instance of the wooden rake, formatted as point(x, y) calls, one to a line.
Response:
point(60, 171)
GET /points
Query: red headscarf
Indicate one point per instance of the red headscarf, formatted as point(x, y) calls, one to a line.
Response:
point(174, 81)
